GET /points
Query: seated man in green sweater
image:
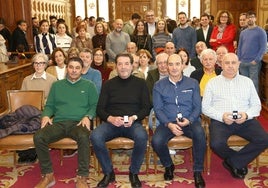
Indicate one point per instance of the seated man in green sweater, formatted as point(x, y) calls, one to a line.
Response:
point(72, 104)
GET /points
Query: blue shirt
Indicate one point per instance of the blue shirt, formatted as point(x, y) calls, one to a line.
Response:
point(170, 98)
point(94, 76)
point(252, 45)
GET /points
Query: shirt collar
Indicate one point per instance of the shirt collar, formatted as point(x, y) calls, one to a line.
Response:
point(174, 83)
point(44, 76)
point(72, 81)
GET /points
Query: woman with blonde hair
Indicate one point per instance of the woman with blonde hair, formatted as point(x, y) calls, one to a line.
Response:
point(145, 60)
point(160, 37)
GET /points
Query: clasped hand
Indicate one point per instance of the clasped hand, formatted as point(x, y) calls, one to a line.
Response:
point(228, 118)
point(176, 127)
point(118, 121)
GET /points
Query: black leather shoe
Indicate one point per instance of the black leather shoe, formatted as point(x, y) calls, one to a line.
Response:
point(243, 171)
point(108, 178)
point(198, 180)
point(134, 180)
point(168, 175)
point(233, 171)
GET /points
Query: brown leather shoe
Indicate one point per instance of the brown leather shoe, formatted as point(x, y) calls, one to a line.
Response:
point(81, 182)
point(48, 180)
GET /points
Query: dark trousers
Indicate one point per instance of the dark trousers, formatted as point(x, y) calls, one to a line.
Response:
point(107, 131)
point(251, 130)
point(57, 131)
point(195, 131)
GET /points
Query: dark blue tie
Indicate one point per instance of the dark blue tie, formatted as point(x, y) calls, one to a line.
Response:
point(45, 43)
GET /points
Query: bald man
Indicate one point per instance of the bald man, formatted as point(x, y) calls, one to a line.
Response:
point(232, 103)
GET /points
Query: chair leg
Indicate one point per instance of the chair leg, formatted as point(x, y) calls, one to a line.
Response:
point(257, 164)
point(61, 157)
point(155, 162)
point(147, 159)
point(14, 157)
point(208, 160)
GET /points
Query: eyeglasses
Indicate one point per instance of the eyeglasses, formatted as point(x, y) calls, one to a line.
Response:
point(39, 63)
point(224, 16)
point(150, 15)
point(249, 17)
point(100, 55)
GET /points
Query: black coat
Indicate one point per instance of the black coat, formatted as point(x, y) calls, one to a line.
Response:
point(200, 36)
point(19, 41)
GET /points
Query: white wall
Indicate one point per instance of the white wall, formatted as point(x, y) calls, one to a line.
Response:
point(172, 5)
point(171, 11)
point(92, 8)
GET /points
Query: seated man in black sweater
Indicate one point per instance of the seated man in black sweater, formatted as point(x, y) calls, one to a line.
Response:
point(123, 103)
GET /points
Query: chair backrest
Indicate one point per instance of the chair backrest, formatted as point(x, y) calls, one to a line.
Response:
point(18, 98)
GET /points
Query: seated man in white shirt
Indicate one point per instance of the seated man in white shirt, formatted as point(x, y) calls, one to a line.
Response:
point(232, 103)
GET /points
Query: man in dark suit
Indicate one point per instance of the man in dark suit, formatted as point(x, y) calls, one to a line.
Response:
point(158, 73)
point(204, 33)
point(19, 41)
point(199, 47)
point(150, 24)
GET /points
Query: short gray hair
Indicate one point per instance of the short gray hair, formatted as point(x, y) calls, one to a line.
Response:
point(40, 55)
point(206, 52)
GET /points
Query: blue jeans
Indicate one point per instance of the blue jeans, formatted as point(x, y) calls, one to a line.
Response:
point(106, 131)
point(251, 71)
point(251, 130)
point(195, 131)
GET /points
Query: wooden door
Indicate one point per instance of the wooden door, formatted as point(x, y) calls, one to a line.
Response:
point(125, 8)
point(235, 7)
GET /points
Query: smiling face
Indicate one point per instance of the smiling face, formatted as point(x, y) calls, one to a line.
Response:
point(99, 28)
point(86, 58)
point(144, 60)
point(124, 67)
point(74, 70)
point(208, 60)
point(224, 18)
point(140, 27)
point(61, 28)
point(98, 58)
point(59, 58)
point(230, 65)
point(44, 27)
point(175, 67)
point(161, 26)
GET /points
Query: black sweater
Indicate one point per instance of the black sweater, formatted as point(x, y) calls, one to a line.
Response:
point(121, 97)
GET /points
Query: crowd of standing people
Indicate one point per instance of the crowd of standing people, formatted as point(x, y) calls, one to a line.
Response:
point(145, 67)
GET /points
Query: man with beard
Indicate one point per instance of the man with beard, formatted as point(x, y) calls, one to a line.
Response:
point(184, 36)
point(251, 47)
point(117, 40)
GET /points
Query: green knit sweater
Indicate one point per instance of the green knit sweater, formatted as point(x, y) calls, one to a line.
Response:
point(71, 101)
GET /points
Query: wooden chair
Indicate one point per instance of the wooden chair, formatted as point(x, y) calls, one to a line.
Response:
point(16, 99)
point(125, 143)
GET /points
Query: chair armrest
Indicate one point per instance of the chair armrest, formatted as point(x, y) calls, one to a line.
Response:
point(7, 111)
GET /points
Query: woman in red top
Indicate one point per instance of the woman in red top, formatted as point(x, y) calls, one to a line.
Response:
point(224, 32)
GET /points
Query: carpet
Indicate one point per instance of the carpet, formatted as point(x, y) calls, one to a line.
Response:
point(28, 175)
